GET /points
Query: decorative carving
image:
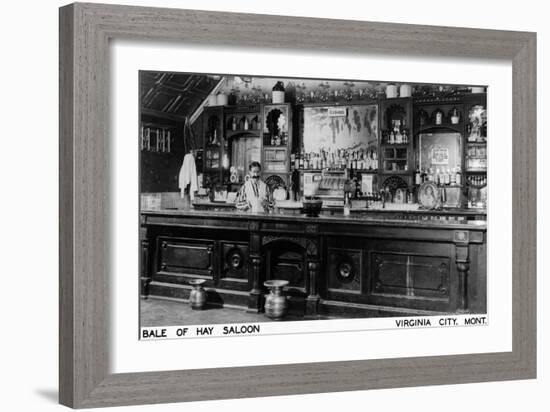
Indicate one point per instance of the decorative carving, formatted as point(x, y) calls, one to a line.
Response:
point(253, 226)
point(145, 265)
point(256, 261)
point(312, 305)
point(254, 298)
point(272, 238)
point(275, 181)
point(312, 247)
point(394, 183)
point(345, 270)
point(312, 228)
point(461, 236)
point(312, 266)
point(235, 259)
point(255, 243)
point(442, 274)
point(463, 265)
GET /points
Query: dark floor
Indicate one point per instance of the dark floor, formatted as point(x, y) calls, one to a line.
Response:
point(160, 312)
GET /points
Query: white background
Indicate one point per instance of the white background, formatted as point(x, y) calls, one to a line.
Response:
point(131, 355)
point(29, 205)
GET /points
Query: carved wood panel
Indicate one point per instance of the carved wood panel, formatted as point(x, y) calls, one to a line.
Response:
point(235, 260)
point(410, 275)
point(185, 256)
point(286, 259)
point(344, 270)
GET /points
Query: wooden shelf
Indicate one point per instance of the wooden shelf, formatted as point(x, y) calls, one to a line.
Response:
point(459, 127)
point(438, 100)
point(398, 145)
point(231, 132)
point(336, 170)
point(270, 172)
point(396, 172)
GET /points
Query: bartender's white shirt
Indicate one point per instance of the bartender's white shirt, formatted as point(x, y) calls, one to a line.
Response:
point(252, 189)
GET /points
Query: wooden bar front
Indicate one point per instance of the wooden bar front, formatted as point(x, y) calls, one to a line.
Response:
point(337, 266)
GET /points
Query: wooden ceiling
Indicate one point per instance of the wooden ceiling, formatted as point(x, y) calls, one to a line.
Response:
point(174, 94)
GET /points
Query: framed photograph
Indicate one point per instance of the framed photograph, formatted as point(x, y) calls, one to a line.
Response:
point(239, 217)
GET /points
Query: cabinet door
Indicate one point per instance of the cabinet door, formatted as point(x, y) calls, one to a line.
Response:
point(345, 268)
point(234, 272)
point(411, 274)
point(181, 259)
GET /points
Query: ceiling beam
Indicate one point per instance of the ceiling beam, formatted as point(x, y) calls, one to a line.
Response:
point(200, 109)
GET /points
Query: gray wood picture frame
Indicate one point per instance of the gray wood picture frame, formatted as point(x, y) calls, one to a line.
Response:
point(85, 31)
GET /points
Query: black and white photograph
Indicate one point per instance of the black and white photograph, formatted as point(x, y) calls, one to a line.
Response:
point(276, 199)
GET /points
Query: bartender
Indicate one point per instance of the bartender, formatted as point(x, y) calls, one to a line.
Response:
point(254, 195)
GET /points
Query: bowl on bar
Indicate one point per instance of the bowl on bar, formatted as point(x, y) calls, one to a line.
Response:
point(312, 206)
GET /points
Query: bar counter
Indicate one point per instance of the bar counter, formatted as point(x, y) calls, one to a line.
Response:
point(337, 266)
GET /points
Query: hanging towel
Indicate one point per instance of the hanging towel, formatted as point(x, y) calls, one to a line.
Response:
point(188, 176)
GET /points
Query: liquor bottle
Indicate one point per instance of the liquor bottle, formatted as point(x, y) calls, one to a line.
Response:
point(438, 116)
point(454, 115)
point(398, 136)
point(431, 177)
point(234, 124)
point(453, 177)
point(301, 160)
point(417, 176)
point(347, 205)
point(458, 176)
point(246, 123)
point(443, 177)
point(292, 160)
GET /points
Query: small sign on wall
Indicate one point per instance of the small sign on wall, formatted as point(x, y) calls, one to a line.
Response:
point(440, 150)
point(337, 112)
point(440, 156)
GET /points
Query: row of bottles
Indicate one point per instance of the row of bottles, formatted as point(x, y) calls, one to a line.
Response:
point(438, 117)
point(357, 159)
point(477, 180)
point(440, 176)
point(244, 123)
point(397, 136)
point(280, 139)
